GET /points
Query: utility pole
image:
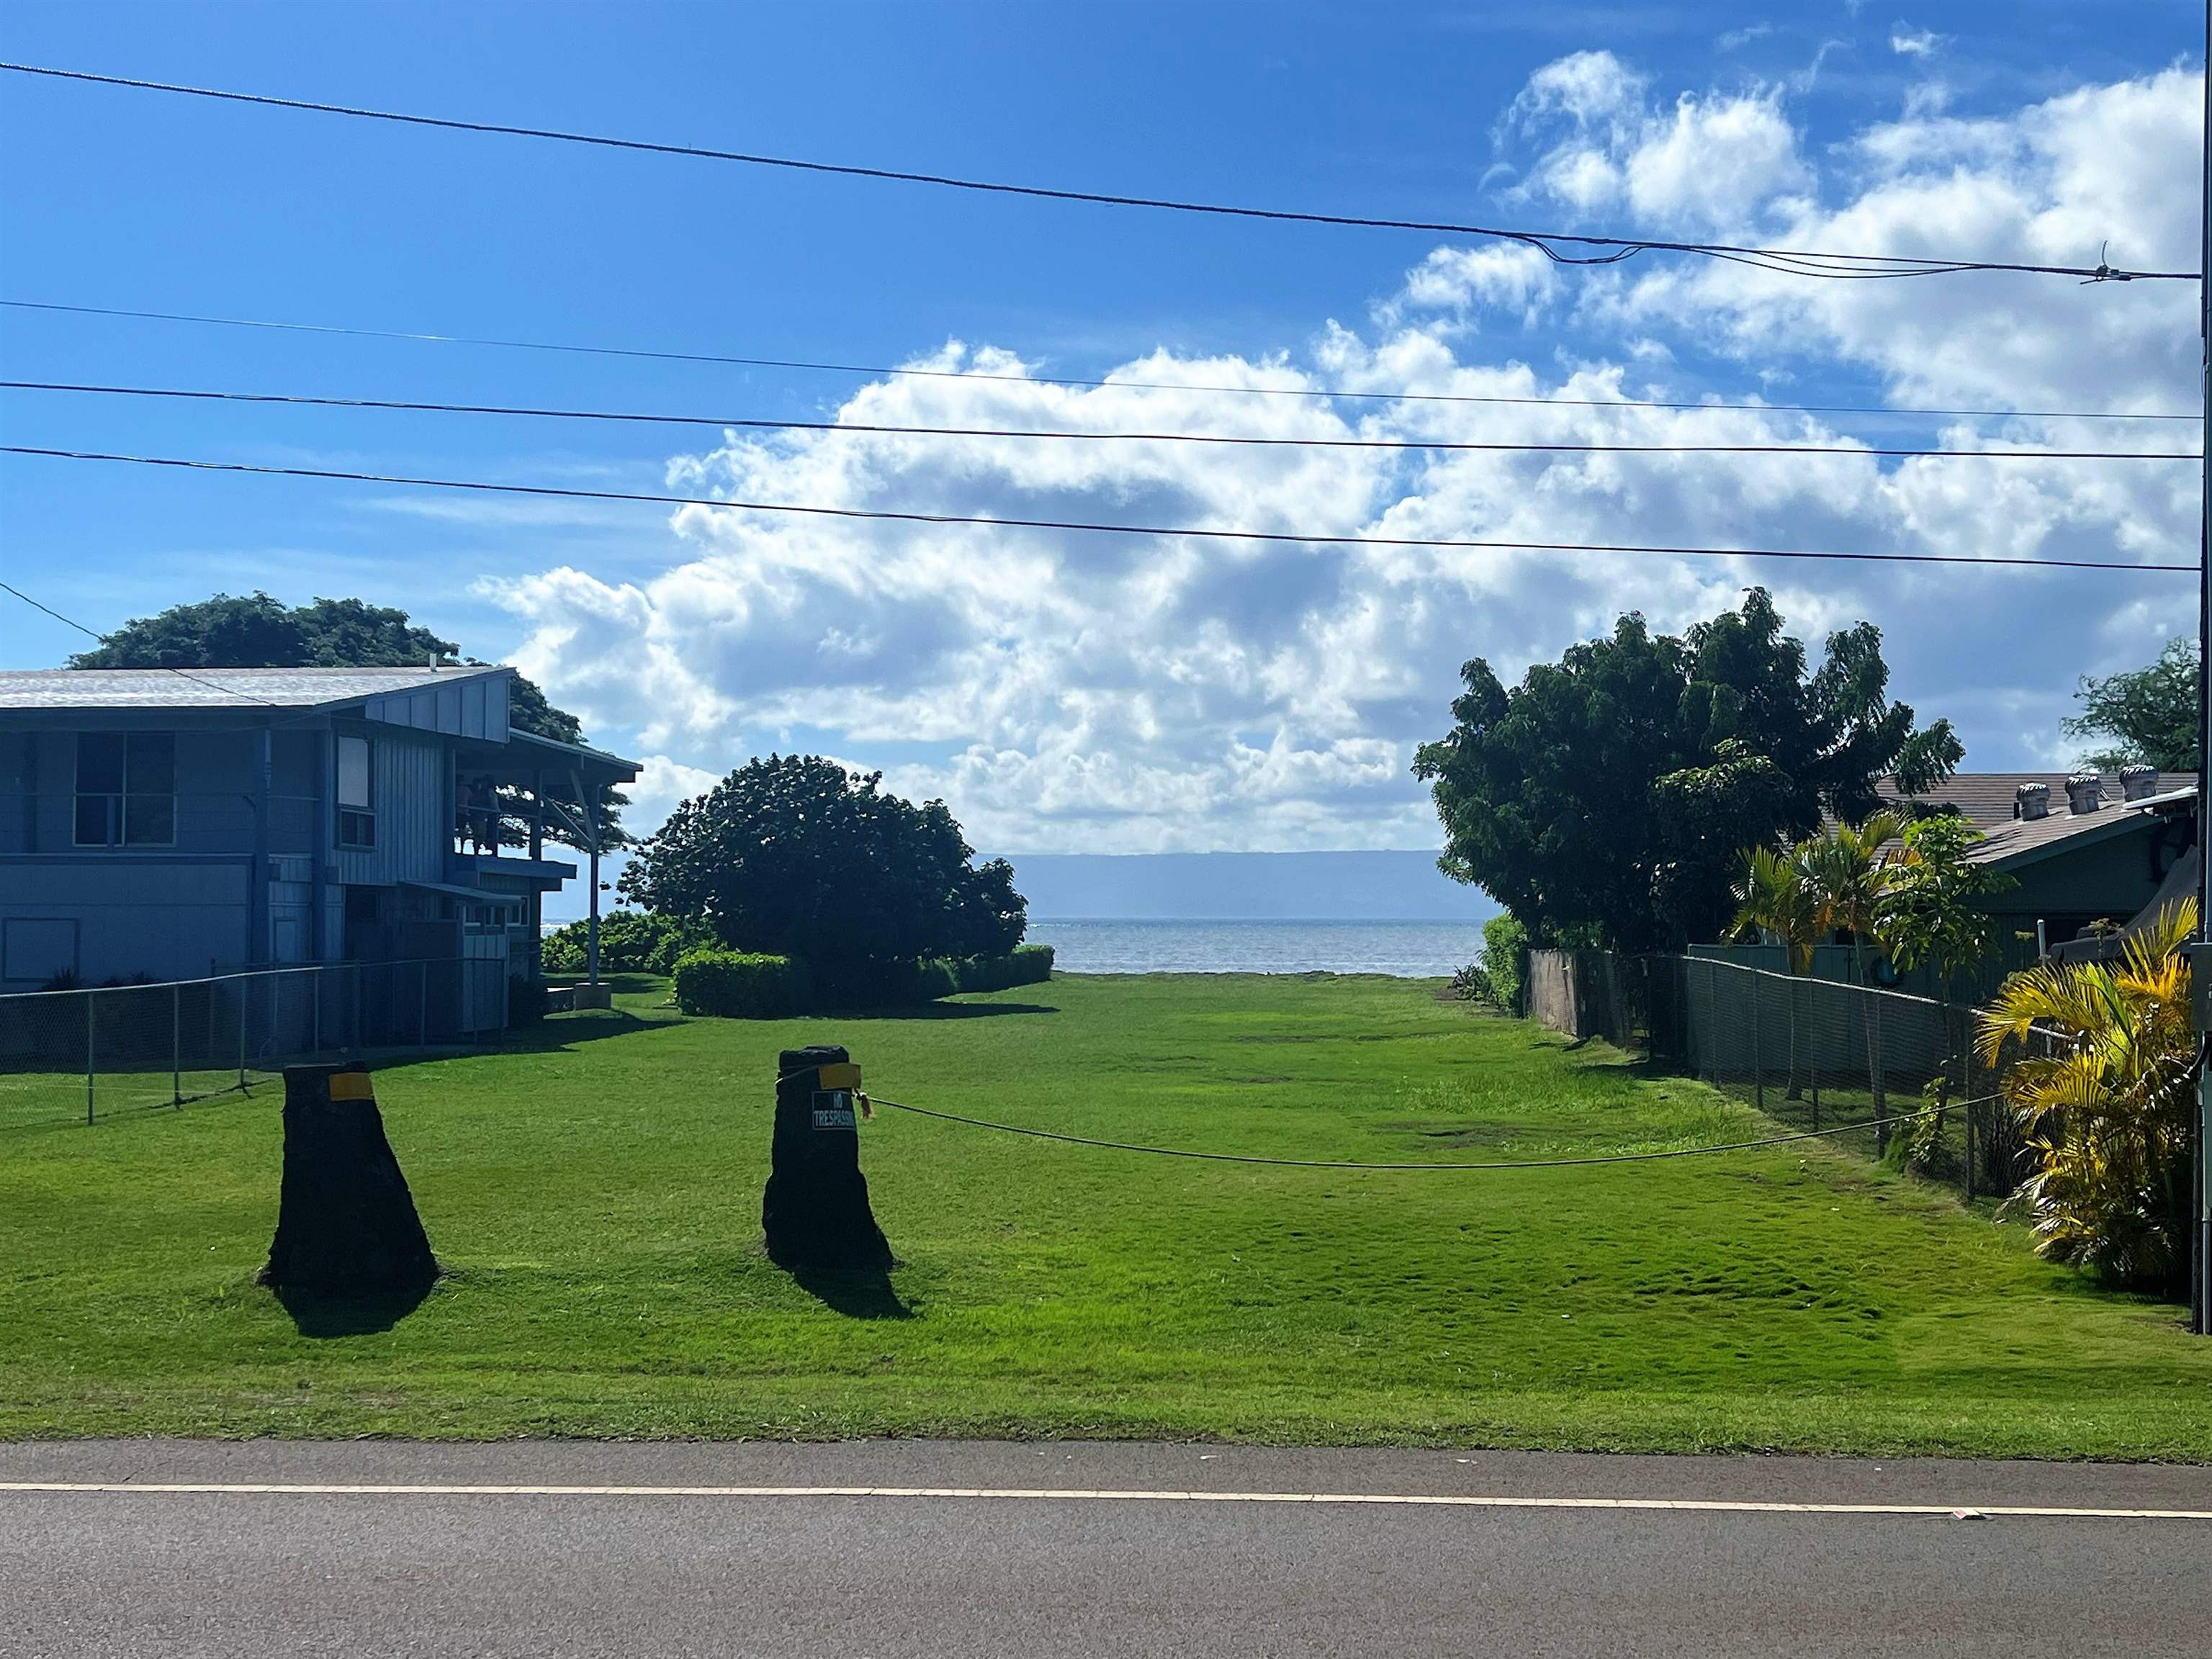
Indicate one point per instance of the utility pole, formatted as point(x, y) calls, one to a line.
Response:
point(2200, 1287)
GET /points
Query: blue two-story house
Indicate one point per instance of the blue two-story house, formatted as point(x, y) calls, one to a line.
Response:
point(172, 824)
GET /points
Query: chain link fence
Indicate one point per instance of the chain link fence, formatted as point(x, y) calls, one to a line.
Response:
point(94, 1053)
point(1815, 1054)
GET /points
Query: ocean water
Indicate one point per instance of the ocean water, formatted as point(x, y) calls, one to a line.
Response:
point(1409, 949)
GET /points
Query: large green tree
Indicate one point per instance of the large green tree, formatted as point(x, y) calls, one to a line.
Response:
point(228, 631)
point(2151, 716)
point(1608, 795)
point(795, 856)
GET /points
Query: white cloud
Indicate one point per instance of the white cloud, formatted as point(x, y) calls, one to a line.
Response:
point(1915, 43)
point(1709, 161)
point(1065, 691)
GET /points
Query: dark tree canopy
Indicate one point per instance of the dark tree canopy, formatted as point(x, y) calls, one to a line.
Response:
point(795, 856)
point(1608, 796)
point(2152, 714)
point(259, 632)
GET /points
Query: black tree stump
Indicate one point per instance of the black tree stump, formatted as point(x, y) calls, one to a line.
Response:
point(815, 1210)
point(346, 1225)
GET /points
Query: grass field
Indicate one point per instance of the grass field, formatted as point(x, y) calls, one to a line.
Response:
point(596, 1198)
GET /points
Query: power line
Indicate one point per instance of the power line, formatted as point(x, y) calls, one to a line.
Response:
point(1789, 261)
point(884, 371)
point(883, 515)
point(871, 428)
point(1420, 1169)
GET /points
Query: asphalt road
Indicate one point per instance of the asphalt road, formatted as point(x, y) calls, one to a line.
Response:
point(934, 1568)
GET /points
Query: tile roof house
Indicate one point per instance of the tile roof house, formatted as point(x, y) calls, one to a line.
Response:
point(2082, 848)
point(174, 823)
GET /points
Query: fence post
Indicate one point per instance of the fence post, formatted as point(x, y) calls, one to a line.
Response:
point(176, 1045)
point(1758, 1049)
point(422, 1013)
point(244, 999)
point(1878, 1072)
point(91, 1047)
point(1967, 1089)
point(1813, 1071)
point(315, 1021)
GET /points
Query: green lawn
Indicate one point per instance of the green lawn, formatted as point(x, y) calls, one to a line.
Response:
point(597, 1200)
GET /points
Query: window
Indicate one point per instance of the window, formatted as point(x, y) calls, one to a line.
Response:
point(126, 789)
point(356, 793)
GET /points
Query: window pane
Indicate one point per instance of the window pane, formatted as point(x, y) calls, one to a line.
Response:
point(353, 772)
point(152, 766)
point(99, 763)
point(150, 820)
point(92, 820)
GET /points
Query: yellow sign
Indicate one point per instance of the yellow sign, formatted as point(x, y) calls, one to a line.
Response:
point(839, 1077)
point(351, 1085)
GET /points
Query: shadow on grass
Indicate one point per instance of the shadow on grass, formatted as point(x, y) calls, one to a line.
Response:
point(322, 1316)
point(855, 1292)
point(937, 1011)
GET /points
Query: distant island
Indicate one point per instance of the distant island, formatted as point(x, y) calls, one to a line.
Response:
point(1376, 886)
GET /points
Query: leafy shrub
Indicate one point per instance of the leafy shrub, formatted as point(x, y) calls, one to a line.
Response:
point(794, 855)
point(1472, 984)
point(1026, 964)
point(630, 942)
point(525, 999)
point(739, 985)
point(1504, 954)
point(2108, 1117)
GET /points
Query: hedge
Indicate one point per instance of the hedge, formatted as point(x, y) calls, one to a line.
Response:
point(739, 985)
point(1029, 964)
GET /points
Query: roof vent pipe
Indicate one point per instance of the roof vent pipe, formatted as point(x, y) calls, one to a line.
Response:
point(2085, 792)
point(2032, 800)
point(2138, 782)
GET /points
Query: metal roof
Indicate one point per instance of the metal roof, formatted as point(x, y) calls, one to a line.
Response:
point(58, 689)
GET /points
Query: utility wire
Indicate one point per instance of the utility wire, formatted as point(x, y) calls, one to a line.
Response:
point(1417, 1168)
point(868, 427)
point(885, 372)
point(874, 515)
point(1613, 249)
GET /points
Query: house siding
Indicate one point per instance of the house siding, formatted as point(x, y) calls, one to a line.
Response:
point(413, 781)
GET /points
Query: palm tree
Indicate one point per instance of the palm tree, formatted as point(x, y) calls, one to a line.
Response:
point(1772, 897)
point(1845, 870)
point(2110, 1115)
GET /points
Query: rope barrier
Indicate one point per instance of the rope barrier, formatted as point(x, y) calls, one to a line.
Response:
point(1428, 1169)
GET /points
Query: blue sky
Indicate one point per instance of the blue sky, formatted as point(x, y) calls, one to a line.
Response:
point(1065, 694)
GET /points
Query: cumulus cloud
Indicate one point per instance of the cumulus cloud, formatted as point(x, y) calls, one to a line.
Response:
point(1706, 162)
point(1069, 690)
point(1915, 43)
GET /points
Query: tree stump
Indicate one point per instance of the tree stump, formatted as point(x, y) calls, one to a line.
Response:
point(346, 1225)
point(815, 1210)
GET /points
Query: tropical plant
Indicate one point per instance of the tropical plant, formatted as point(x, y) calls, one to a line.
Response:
point(2108, 1116)
point(2151, 714)
point(1926, 911)
point(1773, 896)
point(794, 856)
point(1608, 792)
point(1845, 871)
point(1504, 954)
point(1472, 984)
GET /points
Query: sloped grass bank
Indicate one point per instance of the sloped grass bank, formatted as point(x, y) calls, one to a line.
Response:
point(595, 1196)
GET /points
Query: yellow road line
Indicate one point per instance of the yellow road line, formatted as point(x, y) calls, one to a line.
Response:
point(1056, 1494)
